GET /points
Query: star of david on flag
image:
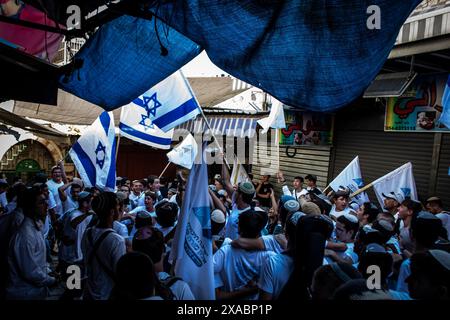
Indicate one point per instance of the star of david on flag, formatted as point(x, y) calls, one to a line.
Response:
point(351, 179)
point(170, 103)
point(94, 154)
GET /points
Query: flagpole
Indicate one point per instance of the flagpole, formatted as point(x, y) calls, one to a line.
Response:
point(370, 185)
point(204, 118)
point(164, 169)
point(117, 146)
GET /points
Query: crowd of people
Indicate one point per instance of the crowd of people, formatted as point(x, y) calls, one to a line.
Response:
point(296, 245)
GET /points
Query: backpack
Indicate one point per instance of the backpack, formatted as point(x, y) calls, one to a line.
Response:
point(93, 253)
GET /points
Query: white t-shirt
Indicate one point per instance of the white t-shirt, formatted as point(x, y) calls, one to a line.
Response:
point(231, 226)
point(68, 252)
point(99, 284)
point(272, 244)
point(69, 204)
point(53, 188)
point(120, 228)
point(81, 228)
point(349, 253)
point(337, 214)
point(235, 267)
point(137, 201)
point(180, 289)
point(445, 218)
point(276, 271)
point(165, 231)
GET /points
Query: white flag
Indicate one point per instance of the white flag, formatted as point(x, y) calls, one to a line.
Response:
point(136, 125)
point(185, 153)
point(192, 244)
point(400, 182)
point(170, 103)
point(275, 119)
point(351, 179)
point(94, 154)
point(238, 174)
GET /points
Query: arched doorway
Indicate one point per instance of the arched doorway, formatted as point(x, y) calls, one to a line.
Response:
point(27, 169)
point(25, 159)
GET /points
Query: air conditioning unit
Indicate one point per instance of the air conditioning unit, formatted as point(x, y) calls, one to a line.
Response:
point(390, 85)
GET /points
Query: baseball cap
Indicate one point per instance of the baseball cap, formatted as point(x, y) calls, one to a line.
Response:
point(433, 199)
point(395, 196)
point(247, 188)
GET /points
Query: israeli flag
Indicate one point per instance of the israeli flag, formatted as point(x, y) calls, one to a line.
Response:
point(400, 181)
point(192, 245)
point(445, 116)
point(351, 179)
point(135, 124)
point(275, 119)
point(169, 103)
point(185, 153)
point(94, 154)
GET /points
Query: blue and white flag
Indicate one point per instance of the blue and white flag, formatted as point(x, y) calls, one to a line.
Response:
point(169, 103)
point(400, 182)
point(351, 179)
point(192, 245)
point(135, 124)
point(94, 154)
point(445, 116)
point(185, 153)
point(275, 119)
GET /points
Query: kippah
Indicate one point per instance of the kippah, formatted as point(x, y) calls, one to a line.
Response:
point(442, 257)
point(292, 205)
point(247, 188)
point(218, 216)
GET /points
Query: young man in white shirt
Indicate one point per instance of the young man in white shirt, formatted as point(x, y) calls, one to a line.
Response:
point(58, 180)
point(347, 226)
point(28, 277)
point(278, 268)
point(102, 247)
point(137, 195)
point(340, 203)
point(297, 185)
point(150, 241)
point(236, 271)
point(434, 205)
point(69, 199)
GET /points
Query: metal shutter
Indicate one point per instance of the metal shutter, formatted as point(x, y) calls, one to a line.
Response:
point(443, 179)
point(381, 152)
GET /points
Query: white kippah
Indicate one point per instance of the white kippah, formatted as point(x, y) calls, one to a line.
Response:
point(442, 257)
point(217, 216)
point(350, 217)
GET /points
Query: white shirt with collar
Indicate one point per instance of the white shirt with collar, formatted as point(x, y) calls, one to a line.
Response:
point(28, 263)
